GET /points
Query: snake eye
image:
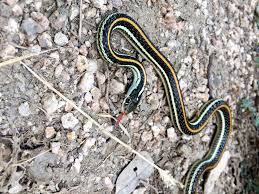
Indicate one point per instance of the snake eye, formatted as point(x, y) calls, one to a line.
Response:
point(127, 101)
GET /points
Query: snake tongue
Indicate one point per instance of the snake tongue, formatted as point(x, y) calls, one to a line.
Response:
point(119, 119)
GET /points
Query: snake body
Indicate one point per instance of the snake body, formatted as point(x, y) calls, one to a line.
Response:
point(138, 39)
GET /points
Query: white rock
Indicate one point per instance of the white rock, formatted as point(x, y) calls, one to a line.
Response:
point(87, 145)
point(87, 126)
point(58, 70)
point(183, 85)
point(17, 10)
point(116, 87)
point(74, 12)
point(69, 121)
point(87, 82)
point(50, 103)
point(205, 138)
point(55, 147)
point(216, 172)
point(99, 3)
point(141, 190)
point(71, 136)
point(146, 136)
point(96, 93)
point(77, 165)
point(45, 40)
point(100, 78)
point(60, 39)
point(49, 132)
point(16, 188)
point(108, 183)
point(88, 97)
point(7, 52)
point(24, 109)
point(172, 135)
point(81, 63)
point(156, 130)
point(13, 26)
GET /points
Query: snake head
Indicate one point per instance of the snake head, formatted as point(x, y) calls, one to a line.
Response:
point(130, 103)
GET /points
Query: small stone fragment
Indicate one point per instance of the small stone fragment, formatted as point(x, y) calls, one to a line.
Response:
point(55, 147)
point(50, 103)
point(100, 78)
point(99, 3)
point(71, 136)
point(108, 183)
point(60, 39)
point(13, 26)
point(77, 165)
point(87, 126)
point(49, 132)
point(141, 190)
point(74, 12)
point(69, 121)
point(88, 97)
point(31, 27)
point(96, 93)
point(81, 63)
point(87, 145)
point(24, 109)
point(116, 87)
point(17, 10)
point(58, 70)
point(87, 82)
point(205, 138)
point(146, 136)
point(7, 51)
point(156, 130)
point(45, 40)
point(172, 134)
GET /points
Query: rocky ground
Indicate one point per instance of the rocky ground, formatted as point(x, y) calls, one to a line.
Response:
point(46, 146)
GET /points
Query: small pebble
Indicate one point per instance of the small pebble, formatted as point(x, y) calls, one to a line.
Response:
point(141, 190)
point(87, 126)
point(86, 82)
point(156, 130)
point(172, 135)
point(74, 12)
point(24, 109)
point(205, 138)
point(69, 121)
point(116, 87)
point(77, 165)
point(55, 147)
point(31, 27)
point(146, 136)
point(50, 103)
point(108, 183)
point(87, 145)
point(100, 78)
point(96, 93)
point(99, 3)
point(13, 26)
point(58, 70)
point(49, 132)
point(71, 136)
point(7, 51)
point(45, 40)
point(17, 10)
point(60, 39)
point(81, 63)
point(88, 97)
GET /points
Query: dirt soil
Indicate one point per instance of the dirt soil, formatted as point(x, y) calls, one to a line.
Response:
point(46, 146)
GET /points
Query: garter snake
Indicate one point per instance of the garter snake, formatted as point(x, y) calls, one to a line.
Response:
point(138, 39)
